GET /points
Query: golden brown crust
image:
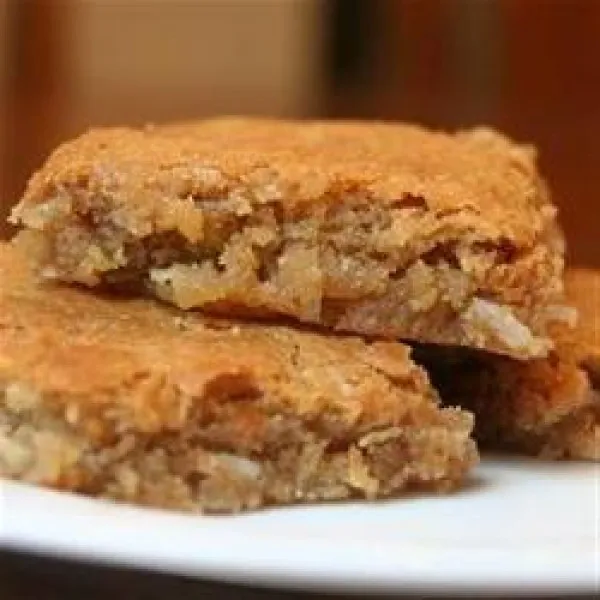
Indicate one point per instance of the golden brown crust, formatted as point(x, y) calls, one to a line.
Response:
point(545, 406)
point(95, 375)
point(341, 224)
point(479, 172)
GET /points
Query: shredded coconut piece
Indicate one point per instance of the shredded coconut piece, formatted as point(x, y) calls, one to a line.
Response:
point(240, 464)
point(20, 398)
point(500, 320)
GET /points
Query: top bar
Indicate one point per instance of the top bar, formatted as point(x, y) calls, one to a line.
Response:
point(375, 228)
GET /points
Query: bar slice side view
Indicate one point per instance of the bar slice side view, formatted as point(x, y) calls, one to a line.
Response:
point(372, 228)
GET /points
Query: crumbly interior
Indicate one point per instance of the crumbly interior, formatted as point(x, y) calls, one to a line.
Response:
point(397, 271)
point(205, 464)
point(547, 407)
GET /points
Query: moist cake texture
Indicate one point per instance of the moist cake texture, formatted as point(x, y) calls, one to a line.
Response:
point(127, 399)
point(372, 228)
point(549, 407)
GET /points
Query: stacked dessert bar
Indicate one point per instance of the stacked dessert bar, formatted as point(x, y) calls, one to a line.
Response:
point(222, 314)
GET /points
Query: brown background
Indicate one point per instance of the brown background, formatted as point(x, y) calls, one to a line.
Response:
point(530, 67)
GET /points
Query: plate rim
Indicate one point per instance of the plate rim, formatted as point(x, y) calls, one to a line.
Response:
point(290, 563)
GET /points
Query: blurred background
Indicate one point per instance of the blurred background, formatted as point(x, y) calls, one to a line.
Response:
point(529, 67)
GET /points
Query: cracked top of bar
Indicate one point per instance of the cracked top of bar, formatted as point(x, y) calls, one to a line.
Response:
point(375, 228)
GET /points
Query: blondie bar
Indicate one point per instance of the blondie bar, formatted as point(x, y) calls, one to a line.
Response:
point(549, 407)
point(127, 399)
point(372, 228)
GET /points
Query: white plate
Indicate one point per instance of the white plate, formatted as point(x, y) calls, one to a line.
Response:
point(521, 527)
